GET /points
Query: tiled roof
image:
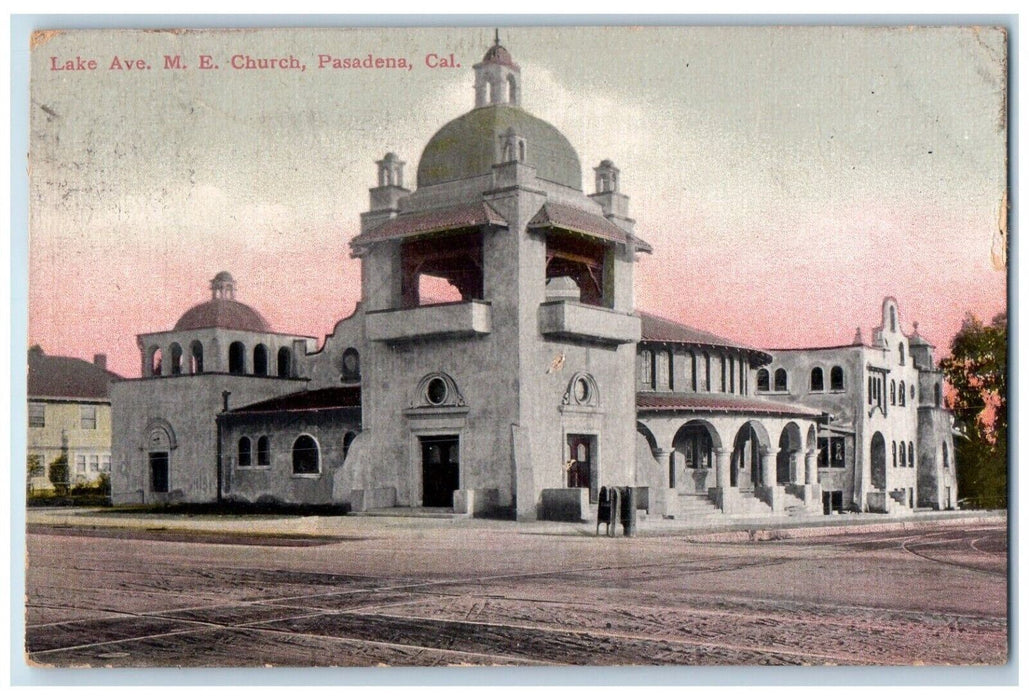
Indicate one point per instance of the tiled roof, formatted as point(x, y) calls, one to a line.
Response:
point(67, 377)
point(223, 313)
point(432, 221)
point(662, 330)
point(719, 403)
point(316, 400)
point(562, 216)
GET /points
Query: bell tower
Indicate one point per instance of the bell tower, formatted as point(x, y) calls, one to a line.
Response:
point(498, 79)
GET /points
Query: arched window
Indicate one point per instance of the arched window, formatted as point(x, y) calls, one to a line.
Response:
point(284, 362)
point(743, 376)
point(871, 391)
point(196, 351)
point(264, 456)
point(894, 443)
point(893, 320)
point(176, 358)
point(901, 393)
point(706, 376)
point(260, 360)
point(647, 369)
point(243, 454)
point(937, 395)
point(817, 379)
point(780, 379)
point(900, 349)
point(661, 373)
point(512, 92)
point(911, 454)
point(237, 358)
point(903, 455)
point(836, 378)
point(762, 379)
point(348, 439)
point(155, 361)
point(722, 368)
point(946, 457)
point(893, 393)
point(351, 365)
point(732, 375)
point(305, 455)
point(691, 371)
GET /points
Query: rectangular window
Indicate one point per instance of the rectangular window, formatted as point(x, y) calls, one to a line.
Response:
point(94, 463)
point(37, 415)
point(105, 464)
point(837, 452)
point(87, 416)
point(823, 453)
point(80, 464)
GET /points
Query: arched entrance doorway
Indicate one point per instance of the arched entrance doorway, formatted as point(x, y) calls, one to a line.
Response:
point(695, 443)
point(745, 466)
point(878, 462)
point(786, 462)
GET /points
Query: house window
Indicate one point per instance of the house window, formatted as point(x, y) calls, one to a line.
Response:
point(901, 393)
point(837, 452)
point(762, 380)
point(80, 464)
point(894, 443)
point(305, 455)
point(351, 365)
point(903, 455)
point(721, 364)
point(946, 458)
point(893, 393)
point(263, 453)
point(94, 463)
point(780, 379)
point(706, 376)
point(831, 453)
point(105, 464)
point(900, 349)
point(244, 452)
point(176, 358)
point(37, 415)
point(284, 361)
point(87, 417)
point(911, 455)
point(836, 378)
point(691, 371)
point(817, 379)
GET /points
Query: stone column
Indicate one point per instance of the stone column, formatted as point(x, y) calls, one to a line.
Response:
point(810, 468)
point(661, 491)
point(664, 480)
point(724, 490)
point(768, 485)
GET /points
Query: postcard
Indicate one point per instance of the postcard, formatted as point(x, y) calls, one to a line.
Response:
point(518, 346)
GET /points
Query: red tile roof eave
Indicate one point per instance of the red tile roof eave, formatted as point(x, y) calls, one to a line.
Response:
point(740, 407)
point(460, 217)
point(264, 411)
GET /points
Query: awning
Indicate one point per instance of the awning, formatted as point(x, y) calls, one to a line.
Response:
point(564, 217)
point(432, 221)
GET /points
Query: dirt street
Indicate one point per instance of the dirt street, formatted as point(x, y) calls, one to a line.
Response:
point(427, 593)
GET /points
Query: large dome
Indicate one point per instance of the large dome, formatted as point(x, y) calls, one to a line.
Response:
point(466, 147)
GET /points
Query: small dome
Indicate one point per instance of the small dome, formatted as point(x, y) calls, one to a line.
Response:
point(466, 147)
point(498, 54)
point(223, 313)
point(224, 277)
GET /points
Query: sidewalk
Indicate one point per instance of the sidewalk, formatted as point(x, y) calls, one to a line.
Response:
point(340, 526)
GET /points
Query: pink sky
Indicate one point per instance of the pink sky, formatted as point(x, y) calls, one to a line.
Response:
point(787, 179)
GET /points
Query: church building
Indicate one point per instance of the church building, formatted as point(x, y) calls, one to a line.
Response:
point(495, 364)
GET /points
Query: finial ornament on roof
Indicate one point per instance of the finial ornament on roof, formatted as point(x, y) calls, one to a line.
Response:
point(496, 36)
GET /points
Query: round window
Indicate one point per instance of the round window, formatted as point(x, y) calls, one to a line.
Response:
point(436, 391)
point(582, 390)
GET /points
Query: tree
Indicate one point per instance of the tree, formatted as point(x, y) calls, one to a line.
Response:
point(977, 373)
point(58, 474)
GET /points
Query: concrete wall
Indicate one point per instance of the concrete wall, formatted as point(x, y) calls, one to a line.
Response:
point(186, 407)
point(276, 481)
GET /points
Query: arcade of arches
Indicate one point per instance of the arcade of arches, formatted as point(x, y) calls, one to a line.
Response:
point(732, 457)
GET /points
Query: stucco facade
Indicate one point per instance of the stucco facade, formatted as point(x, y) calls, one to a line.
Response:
point(496, 363)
